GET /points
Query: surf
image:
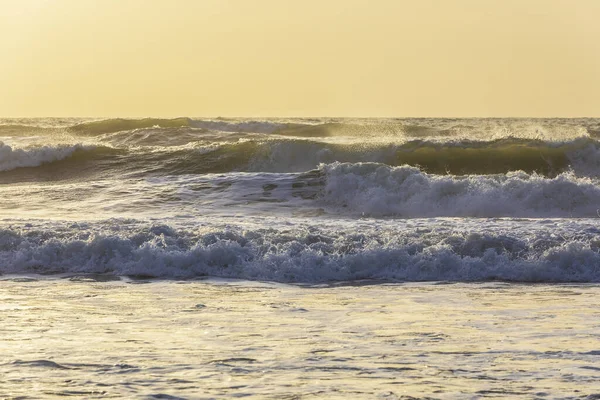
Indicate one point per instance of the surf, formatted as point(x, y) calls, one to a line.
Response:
point(304, 253)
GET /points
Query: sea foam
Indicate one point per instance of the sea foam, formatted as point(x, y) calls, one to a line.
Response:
point(378, 190)
point(433, 251)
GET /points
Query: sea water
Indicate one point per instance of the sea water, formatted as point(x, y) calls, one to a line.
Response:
point(361, 257)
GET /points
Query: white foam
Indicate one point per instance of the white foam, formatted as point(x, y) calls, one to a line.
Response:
point(431, 250)
point(379, 190)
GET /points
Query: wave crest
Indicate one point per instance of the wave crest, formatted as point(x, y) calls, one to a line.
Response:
point(11, 158)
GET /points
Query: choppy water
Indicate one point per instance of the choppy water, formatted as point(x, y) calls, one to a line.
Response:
point(302, 200)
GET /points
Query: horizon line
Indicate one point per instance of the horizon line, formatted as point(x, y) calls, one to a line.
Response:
point(294, 117)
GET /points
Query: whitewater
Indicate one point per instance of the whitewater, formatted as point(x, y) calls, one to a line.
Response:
point(391, 255)
point(302, 200)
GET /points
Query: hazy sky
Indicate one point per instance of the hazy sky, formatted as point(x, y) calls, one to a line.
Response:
point(299, 58)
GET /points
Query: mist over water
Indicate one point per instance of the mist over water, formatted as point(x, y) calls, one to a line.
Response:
point(302, 200)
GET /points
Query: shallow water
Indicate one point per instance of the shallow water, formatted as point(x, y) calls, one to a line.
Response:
point(93, 337)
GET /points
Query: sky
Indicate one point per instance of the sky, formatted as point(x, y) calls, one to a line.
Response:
point(261, 58)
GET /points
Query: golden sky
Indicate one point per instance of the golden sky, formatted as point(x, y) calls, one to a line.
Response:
point(300, 58)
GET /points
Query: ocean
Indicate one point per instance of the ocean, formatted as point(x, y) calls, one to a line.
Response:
point(292, 258)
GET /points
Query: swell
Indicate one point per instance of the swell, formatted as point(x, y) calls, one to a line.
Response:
point(416, 128)
point(307, 254)
point(329, 129)
point(23, 129)
point(291, 128)
point(113, 125)
point(582, 156)
point(122, 124)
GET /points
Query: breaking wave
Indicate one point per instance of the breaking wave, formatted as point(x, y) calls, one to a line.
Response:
point(305, 254)
point(13, 158)
point(581, 156)
point(377, 190)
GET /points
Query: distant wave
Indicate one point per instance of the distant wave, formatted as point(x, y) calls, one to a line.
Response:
point(305, 254)
point(379, 190)
point(122, 124)
point(19, 130)
point(411, 128)
point(292, 129)
point(328, 129)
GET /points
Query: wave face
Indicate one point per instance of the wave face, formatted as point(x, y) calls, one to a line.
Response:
point(302, 200)
point(260, 154)
point(425, 251)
